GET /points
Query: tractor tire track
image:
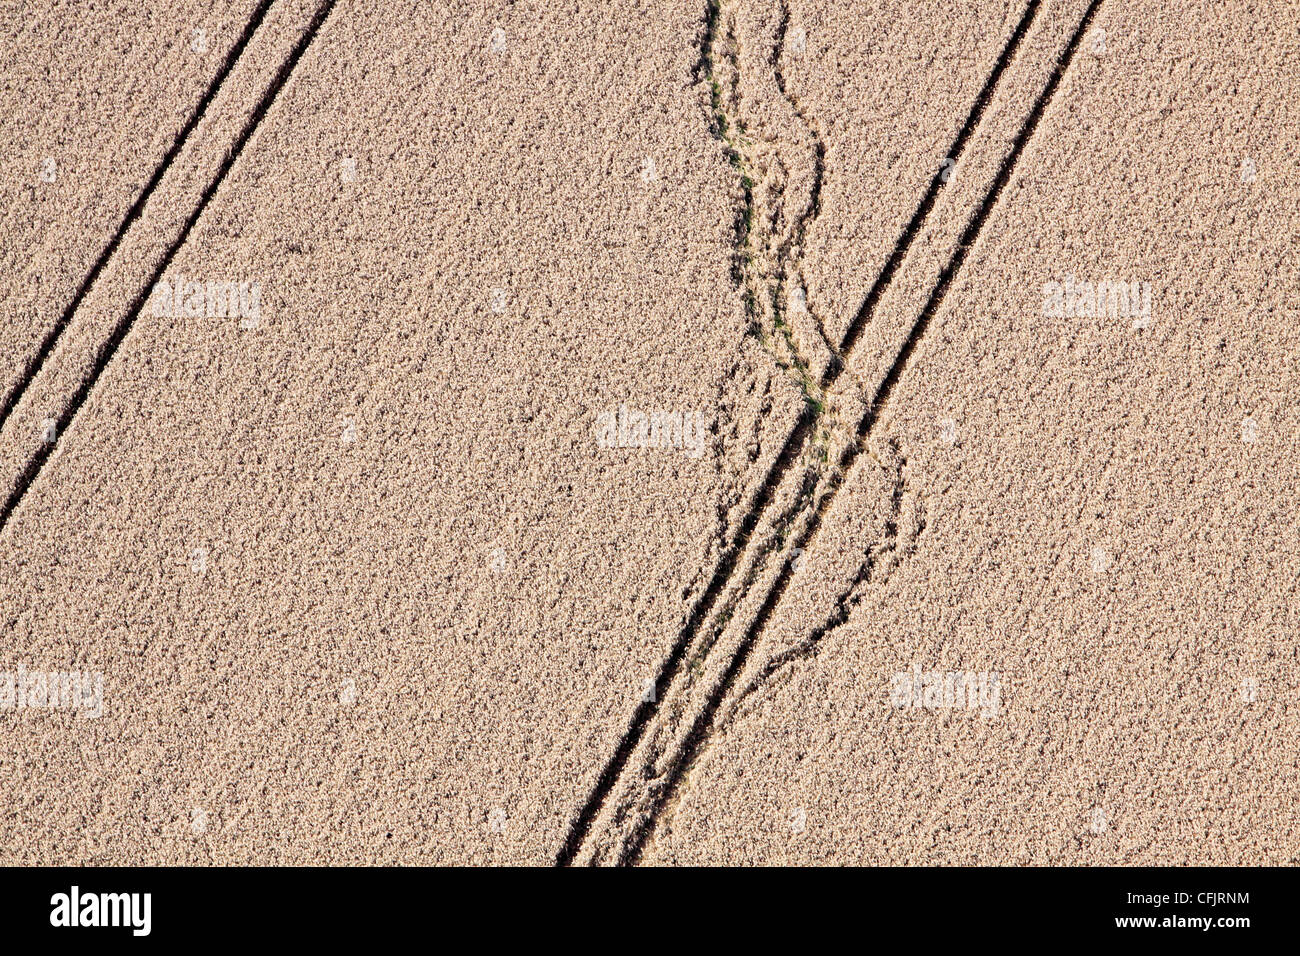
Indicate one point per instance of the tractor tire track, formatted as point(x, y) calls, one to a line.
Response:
point(705, 723)
point(108, 349)
point(37, 361)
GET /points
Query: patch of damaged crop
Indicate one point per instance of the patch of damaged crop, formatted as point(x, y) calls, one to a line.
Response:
point(667, 791)
point(791, 252)
point(803, 457)
point(719, 68)
point(729, 134)
point(880, 560)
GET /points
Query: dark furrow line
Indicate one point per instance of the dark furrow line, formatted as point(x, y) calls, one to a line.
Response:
point(845, 602)
point(613, 768)
point(628, 743)
point(863, 317)
point(794, 445)
point(977, 221)
point(37, 361)
point(703, 724)
point(109, 348)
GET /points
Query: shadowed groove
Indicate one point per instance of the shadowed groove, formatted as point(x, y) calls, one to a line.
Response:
point(613, 768)
point(703, 724)
point(110, 346)
point(51, 339)
point(863, 317)
point(804, 431)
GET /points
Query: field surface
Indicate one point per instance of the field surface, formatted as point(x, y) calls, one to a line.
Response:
point(747, 432)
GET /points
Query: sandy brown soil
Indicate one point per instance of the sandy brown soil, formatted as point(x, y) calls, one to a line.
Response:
point(93, 96)
point(1092, 508)
point(376, 564)
point(423, 646)
point(72, 345)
